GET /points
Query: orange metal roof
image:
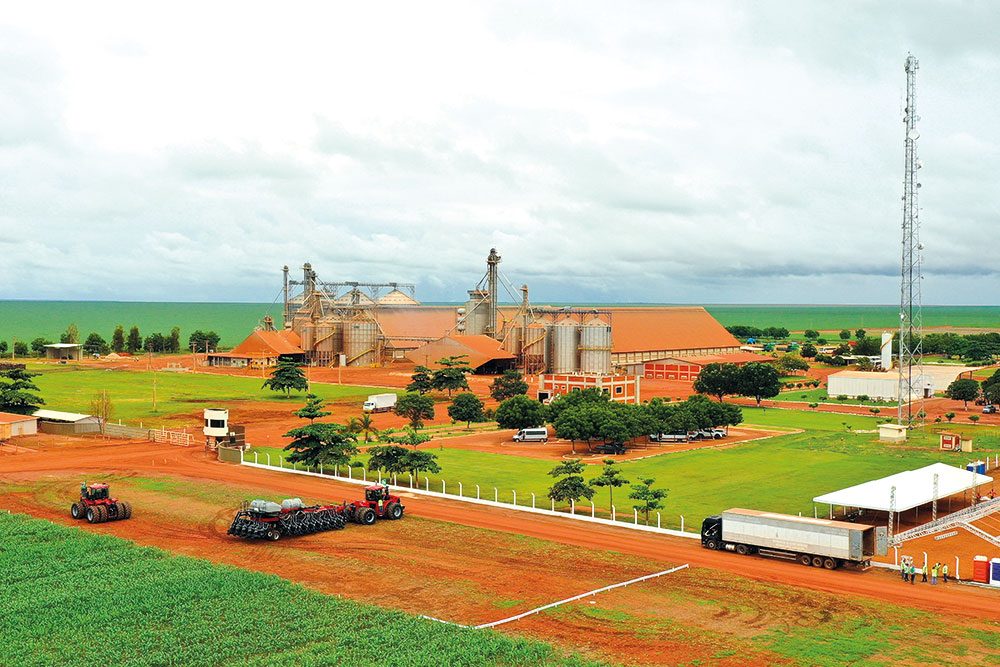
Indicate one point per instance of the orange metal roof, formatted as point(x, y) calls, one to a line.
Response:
point(12, 418)
point(478, 350)
point(268, 344)
point(417, 321)
point(668, 328)
point(734, 358)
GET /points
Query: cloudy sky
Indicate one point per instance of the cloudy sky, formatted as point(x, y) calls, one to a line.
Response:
point(703, 152)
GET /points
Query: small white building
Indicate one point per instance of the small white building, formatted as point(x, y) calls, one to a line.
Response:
point(13, 425)
point(875, 385)
point(64, 351)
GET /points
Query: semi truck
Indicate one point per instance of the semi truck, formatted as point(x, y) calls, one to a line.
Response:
point(814, 542)
point(380, 403)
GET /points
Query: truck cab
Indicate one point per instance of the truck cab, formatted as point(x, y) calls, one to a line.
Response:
point(711, 532)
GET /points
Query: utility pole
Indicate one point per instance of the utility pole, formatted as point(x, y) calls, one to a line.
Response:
point(154, 393)
point(910, 316)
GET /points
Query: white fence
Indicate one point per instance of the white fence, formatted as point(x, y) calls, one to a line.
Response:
point(120, 430)
point(577, 512)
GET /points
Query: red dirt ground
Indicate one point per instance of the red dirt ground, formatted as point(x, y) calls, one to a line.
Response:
point(194, 464)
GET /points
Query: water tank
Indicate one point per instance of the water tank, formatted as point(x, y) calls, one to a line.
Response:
point(291, 504)
point(595, 347)
point(563, 344)
point(360, 337)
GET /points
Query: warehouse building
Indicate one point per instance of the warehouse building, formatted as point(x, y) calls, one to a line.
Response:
point(876, 385)
point(619, 388)
point(688, 368)
point(263, 348)
point(14, 425)
point(482, 353)
point(64, 351)
point(66, 423)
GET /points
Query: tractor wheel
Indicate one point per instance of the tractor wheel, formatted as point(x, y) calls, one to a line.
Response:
point(76, 511)
point(125, 511)
point(366, 516)
point(93, 516)
point(394, 511)
point(104, 513)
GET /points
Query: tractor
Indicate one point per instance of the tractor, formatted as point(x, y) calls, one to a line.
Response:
point(97, 505)
point(378, 504)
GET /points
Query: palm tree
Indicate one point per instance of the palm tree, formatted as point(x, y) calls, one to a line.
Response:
point(366, 427)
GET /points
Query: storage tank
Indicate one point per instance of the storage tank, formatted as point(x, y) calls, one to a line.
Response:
point(563, 346)
point(512, 342)
point(536, 347)
point(360, 337)
point(477, 312)
point(307, 334)
point(328, 341)
point(595, 347)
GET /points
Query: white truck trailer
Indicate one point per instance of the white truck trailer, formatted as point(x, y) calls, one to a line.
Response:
point(815, 542)
point(380, 403)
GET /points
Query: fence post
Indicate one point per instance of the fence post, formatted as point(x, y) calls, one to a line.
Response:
point(657, 519)
point(815, 513)
point(895, 551)
point(532, 501)
point(925, 559)
point(379, 475)
point(268, 458)
point(572, 506)
point(477, 492)
point(636, 513)
point(281, 461)
point(255, 457)
point(427, 483)
point(350, 472)
point(321, 468)
point(410, 475)
point(956, 568)
point(553, 505)
point(364, 473)
point(443, 491)
point(394, 482)
point(460, 494)
point(514, 491)
point(496, 495)
point(295, 465)
point(612, 512)
point(593, 510)
point(241, 456)
point(682, 523)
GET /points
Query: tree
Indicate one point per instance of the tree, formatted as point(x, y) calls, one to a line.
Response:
point(610, 477)
point(102, 408)
point(174, 341)
point(20, 348)
point(72, 335)
point(37, 346)
point(416, 408)
point(573, 425)
point(648, 497)
point(865, 364)
point(520, 412)
point(155, 342)
point(808, 351)
point(963, 389)
point(759, 381)
point(991, 388)
point(868, 347)
point(451, 376)
point(508, 385)
point(118, 339)
point(789, 363)
point(95, 344)
point(312, 410)
point(845, 334)
point(860, 333)
point(410, 437)
point(389, 458)
point(421, 380)
point(366, 427)
point(203, 341)
point(3, 347)
point(286, 376)
point(718, 380)
point(570, 486)
point(811, 334)
point(973, 418)
point(16, 392)
point(466, 408)
point(329, 444)
point(134, 342)
point(949, 416)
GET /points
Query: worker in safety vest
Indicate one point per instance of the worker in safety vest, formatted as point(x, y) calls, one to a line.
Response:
point(944, 573)
point(934, 573)
point(923, 571)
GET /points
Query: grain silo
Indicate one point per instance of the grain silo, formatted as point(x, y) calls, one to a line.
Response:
point(477, 312)
point(595, 347)
point(563, 344)
point(360, 341)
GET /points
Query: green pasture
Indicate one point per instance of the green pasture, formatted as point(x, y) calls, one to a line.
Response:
point(72, 597)
point(820, 395)
point(833, 318)
point(72, 388)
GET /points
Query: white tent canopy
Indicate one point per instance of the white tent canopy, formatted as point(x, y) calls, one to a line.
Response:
point(913, 488)
point(56, 416)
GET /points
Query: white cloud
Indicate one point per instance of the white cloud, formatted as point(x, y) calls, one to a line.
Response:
point(673, 152)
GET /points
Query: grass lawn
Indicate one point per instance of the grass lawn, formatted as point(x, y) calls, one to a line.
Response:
point(71, 389)
point(702, 482)
point(820, 395)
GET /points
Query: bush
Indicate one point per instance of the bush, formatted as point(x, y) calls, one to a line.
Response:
point(863, 397)
point(841, 397)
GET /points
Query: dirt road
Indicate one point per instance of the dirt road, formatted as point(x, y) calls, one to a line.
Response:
point(195, 464)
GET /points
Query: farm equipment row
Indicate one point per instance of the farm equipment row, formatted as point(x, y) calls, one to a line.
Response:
point(266, 520)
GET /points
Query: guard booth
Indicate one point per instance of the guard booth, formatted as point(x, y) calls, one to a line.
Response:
point(953, 442)
point(219, 432)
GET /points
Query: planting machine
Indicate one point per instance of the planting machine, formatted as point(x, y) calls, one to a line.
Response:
point(97, 505)
point(263, 519)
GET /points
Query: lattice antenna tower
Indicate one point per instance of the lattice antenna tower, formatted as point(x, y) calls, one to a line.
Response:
point(910, 316)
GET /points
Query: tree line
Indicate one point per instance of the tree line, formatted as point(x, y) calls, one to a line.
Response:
point(133, 342)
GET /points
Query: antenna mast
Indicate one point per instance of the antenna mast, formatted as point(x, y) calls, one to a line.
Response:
point(910, 316)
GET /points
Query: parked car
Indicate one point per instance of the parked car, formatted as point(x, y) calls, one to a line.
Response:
point(532, 435)
point(989, 409)
point(610, 448)
point(679, 436)
point(718, 433)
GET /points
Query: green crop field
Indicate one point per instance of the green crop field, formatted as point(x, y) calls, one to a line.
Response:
point(72, 388)
point(72, 597)
point(27, 320)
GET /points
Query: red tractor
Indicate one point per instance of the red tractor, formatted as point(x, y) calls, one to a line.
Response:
point(97, 505)
point(378, 504)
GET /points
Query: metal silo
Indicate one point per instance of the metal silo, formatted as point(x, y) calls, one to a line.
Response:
point(536, 348)
point(563, 345)
point(477, 312)
point(360, 339)
point(512, 342)
point(595, 347)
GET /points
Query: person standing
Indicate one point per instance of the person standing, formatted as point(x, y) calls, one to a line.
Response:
point(904, 569)
point(913, 573)
point(934, 573)
point(923, 571)
point(944, 573)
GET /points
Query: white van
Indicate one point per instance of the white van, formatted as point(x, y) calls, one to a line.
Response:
point(532, 435)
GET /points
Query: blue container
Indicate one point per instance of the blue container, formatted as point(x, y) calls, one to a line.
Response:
point(995, 571)
point(977, 467)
